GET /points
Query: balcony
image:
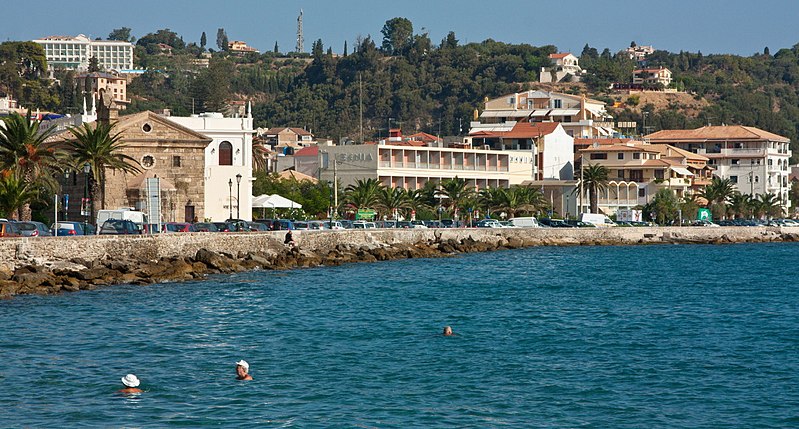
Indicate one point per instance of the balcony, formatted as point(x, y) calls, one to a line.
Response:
point(734, 153)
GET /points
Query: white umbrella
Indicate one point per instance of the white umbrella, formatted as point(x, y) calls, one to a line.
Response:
point(274, 202)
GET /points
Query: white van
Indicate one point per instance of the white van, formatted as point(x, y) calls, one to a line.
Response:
point(137, 217)
point(525, 222)
point(597, 219)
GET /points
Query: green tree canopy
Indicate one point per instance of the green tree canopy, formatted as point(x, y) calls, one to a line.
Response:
point(397, 35)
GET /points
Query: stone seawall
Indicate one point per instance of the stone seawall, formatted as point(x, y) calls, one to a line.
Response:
point(55, 264)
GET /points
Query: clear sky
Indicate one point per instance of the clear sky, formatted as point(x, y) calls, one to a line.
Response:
point(711, 26)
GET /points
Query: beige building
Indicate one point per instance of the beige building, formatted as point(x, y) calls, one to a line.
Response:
point(164, 150)
point(756, 161)
point(580, 117)
point(637, 171)
point(93, 85)
point(239, 47)
point(652, 76)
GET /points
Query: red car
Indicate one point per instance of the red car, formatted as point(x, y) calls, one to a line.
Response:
point(178, 227)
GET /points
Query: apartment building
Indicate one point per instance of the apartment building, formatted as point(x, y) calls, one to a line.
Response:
point(73, 53)
point(580, 117)
point(652, 76)
point(410, 167)
point(93, 85)
point(637, 171)
point(756, 161)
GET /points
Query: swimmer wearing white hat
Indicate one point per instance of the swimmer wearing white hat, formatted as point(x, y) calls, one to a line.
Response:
point(242, 369)
point(131, 383)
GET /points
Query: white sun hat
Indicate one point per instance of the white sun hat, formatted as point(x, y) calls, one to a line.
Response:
point(244, 364)
point(130, 380)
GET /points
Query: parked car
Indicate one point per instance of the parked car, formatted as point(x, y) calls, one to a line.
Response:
point(347, 224)
point(301, 225)
point(524, 222)
point(119, 227)
point(258, 227)
point(362, 224)
point(178, 227)
point(488, 223)
point(205, 227)
point(316, 225)
point(33, 229)
point(335, 225)
point(578, 224)
point(224, 226)
point(64, 228)
point(404, 224)
point(418, 224)
point(9, 229)
point(554, 223)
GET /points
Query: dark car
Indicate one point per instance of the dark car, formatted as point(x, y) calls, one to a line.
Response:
point(119, 227)
point(224, 226)
point(205, 227)
point(554, 223)
point(64, 228)
point(178, 227)
point(9, 229)
point(33, 229)
point(578, 224)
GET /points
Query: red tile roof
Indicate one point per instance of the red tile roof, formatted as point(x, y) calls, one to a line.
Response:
point(601, 141)
point(308, 151)
point(718, 132)
point(522, 130)
point(559, 55)
point(425, 137)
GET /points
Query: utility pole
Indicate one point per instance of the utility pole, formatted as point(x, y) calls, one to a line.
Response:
point(360, 104)
point(335, 184)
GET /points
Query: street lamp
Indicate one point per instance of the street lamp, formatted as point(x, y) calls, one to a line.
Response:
point(87, 168)
point(66, 195)
point(230, 199)
point(238, 196)
point(330, 202)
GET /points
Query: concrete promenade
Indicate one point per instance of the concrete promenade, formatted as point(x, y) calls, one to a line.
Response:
point(16, 252)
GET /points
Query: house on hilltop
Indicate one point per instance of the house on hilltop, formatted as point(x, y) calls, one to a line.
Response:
point(566, 68)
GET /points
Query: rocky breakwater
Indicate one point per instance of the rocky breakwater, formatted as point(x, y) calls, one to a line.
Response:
point(50, 265)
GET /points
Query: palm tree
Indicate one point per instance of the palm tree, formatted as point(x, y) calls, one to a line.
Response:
point(769, 205)
point(363, 194)
point(259, 156)
point(717, 194)
point(101, 148)
point(24, 151)
point(740, 205)
point(595, 179)
point(15, 193)
point(457, 192)
point(392, 200)
point(491, 198)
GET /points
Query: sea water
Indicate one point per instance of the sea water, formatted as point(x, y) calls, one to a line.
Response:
point(672, 336)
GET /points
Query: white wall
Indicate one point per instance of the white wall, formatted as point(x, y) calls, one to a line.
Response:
point(558, 162)
point(239, 132)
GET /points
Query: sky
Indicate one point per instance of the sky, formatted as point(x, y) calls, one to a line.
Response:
point(741, 27)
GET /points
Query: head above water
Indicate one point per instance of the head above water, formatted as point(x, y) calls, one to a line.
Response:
point(447, 331)
point(242, 368)
point(130, 380)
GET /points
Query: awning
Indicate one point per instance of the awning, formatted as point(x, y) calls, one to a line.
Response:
point(683, 171)
point(540, 112)
point(506, 113)
point(564, 112)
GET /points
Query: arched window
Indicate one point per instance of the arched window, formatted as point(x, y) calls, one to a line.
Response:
point(225, 153)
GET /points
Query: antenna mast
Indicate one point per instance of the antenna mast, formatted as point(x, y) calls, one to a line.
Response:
point(300, 40)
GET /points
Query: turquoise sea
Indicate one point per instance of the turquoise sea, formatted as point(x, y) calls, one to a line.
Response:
point(672, 336)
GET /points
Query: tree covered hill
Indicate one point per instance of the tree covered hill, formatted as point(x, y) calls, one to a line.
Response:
point(427, 86)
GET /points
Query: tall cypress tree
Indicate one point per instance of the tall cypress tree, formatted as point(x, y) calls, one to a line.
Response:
point(203, 40)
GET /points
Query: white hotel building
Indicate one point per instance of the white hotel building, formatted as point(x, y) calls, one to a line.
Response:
point(73, 53)
point(410, 167)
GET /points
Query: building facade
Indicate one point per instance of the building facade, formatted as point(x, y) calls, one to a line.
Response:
point(652, 76)
point(410, 167)
point(637, 171)
point(756, 161)
point(227, 158)
point(580, 117)
point(93, 85)
point(566, 68)
point(73, 53)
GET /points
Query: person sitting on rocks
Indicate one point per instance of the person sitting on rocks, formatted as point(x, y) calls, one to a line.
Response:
point(289, 240)
point(131, 383)
point(242, 369)
point(448, 331)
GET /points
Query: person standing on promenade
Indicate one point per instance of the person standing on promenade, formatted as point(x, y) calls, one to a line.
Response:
point(131, 383)
point(242, 370)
